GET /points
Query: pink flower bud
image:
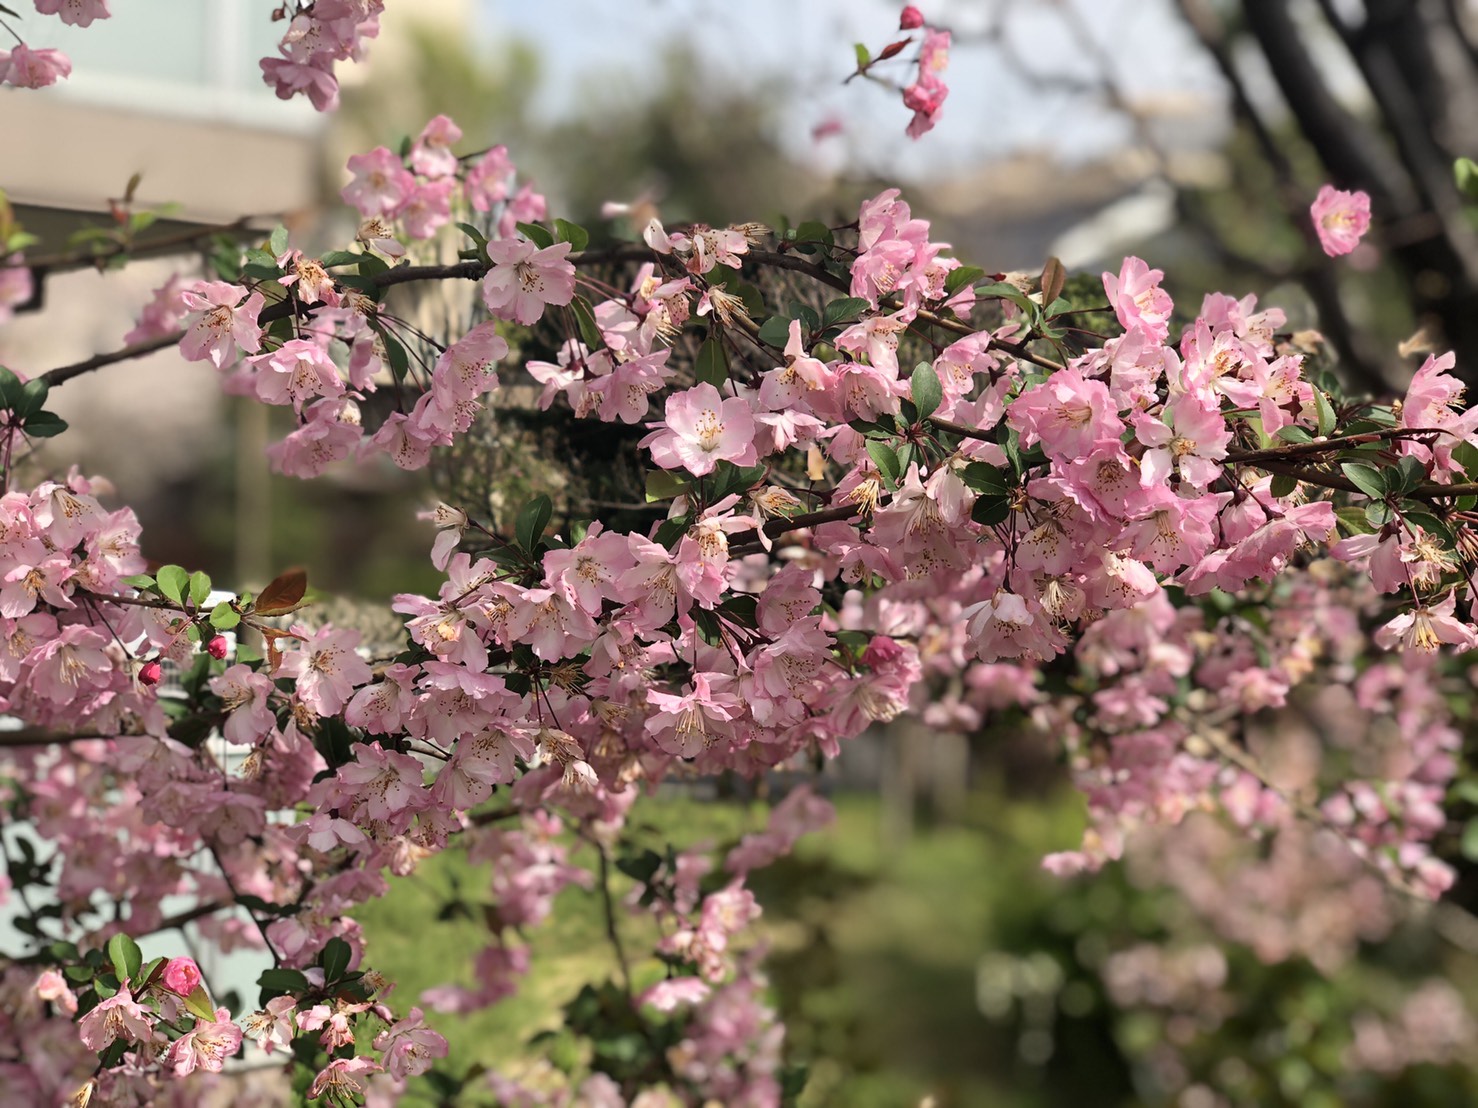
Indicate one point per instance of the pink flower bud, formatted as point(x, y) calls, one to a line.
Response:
point(181, 976)
point(217, 647)
point(151, 673)
point(910, 18)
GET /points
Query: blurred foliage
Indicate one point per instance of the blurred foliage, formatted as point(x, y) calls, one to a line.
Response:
point(951, 966)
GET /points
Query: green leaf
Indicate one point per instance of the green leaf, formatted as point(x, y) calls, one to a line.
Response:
point(663, 484)
point(1408, 475)
point(813, 231)
point(775, 331)
point(589, 330)
point(1365, 477)
point(990, 510)
point(864, 55)
point(335, 959)
point(959, 278)
point(845, 310)
point(223, 617)
point(278, 981)
point(1293, 433)
point(886, 459)
point(532, 521)
point(925, 390)
point(476, 236)
point(10, 388)
point(126, 957)
point(32, 397)
point(340, 257)
point(277, 244)
point(1325, 411)
point(45, 425)
point(173, 581)
point(1470, 840)
point(565, 231)
point(539, 236)
point(199, 588)
point(1283, 485)
point(1465, 173)
point(198, 1004)
point(712, 366)
point(257, 272)
point(987, 480)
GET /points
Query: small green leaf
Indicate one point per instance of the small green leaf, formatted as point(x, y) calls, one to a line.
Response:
point(845, 310)
point(199, 588)
point(1293, 433)
point(1325, 412)
point(589, 330)
point(990, 510)
point(1470, 840)
point(340, 257)
point(539, 236)
point(712, 366)
point(45, 425)
point(126, 957)
point(565, 231)
point(173, 581)
point(531, 522)
point(664, 484)
point(10, 388)
point(813, 231)
point(1283, 485)
point(925, 390)
point(278, 981)
point(223, 617)
point(335, 959)
point(1408, 475)
point(957, 279)
point(775, 331)
point(32, 397)
point(277, 244)
point(1365, 477)
point(987, 480)
point(886, 459)
point(1465, 173)
point(864, 55)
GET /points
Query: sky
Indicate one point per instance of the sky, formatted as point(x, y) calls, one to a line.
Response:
point(803, 48)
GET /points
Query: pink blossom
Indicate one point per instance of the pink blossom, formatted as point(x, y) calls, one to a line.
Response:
point(910, 18)
point(206, 1046)
point(1138, 300)
point(675, 993)
point(117, 1017)
point(339, 1080)
point(1340, 219)
point(1068, 414)
point(80, 13)
point(181, 976)
point(295, 372)
point(381, 183)
point(701, 430)
point(524, 279)
point(409, 1046)
point(225, 320)
point(326, 669)
point(431, 155)
point(27, 68)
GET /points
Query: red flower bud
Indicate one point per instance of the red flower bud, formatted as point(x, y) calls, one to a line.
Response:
point(217, 647)
point(910, 18)
point(151, 673)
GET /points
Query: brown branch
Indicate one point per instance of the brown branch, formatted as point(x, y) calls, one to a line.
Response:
point(747, 542)
point(160, 244)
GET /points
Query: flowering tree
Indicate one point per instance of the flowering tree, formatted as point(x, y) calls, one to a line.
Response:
point(904, 485)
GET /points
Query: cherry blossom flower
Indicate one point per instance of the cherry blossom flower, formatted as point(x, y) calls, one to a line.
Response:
point(524, 279)
point(1340, 219)
point(227, 319)
point(206, 1046)
point(701, 430)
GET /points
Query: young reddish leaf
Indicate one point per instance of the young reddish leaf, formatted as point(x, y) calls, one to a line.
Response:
point(893, 48)
point(283, 593)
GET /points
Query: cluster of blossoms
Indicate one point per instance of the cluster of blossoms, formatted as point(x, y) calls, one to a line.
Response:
point(925, 94)
point(846, 538)
point(320, 34)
